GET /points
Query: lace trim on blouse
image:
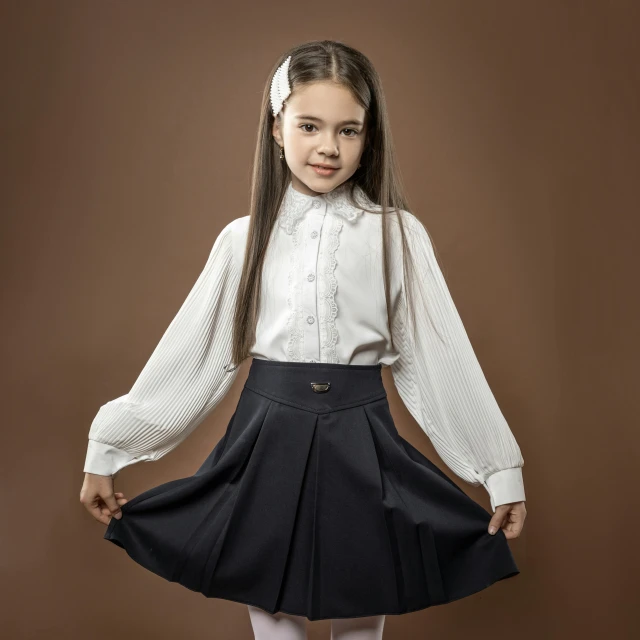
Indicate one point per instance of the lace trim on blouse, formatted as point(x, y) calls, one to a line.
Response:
point(327, 289)
point(294, 205)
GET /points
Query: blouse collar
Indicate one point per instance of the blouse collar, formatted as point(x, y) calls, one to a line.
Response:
point(295, 204)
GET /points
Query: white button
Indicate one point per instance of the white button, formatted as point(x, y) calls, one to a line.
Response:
point(314, 234)
point(311, 277)
point(316, 204)
point(310, 319)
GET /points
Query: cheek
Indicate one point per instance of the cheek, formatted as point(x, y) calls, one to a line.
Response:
point(299, 146)
point(353, 151)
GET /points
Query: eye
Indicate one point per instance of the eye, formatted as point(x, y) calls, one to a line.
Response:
point(354, 131)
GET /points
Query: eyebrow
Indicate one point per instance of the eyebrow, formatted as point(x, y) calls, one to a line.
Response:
point(356, 122)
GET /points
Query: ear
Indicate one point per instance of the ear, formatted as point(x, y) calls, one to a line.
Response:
point(275, 131)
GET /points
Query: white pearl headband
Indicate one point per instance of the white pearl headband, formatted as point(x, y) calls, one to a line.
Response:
point(280, 87)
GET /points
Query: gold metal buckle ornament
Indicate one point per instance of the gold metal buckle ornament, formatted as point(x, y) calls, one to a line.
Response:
point(320, 387)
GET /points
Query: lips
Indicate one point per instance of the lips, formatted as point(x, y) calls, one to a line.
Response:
point(324, 166)
point(323, 171)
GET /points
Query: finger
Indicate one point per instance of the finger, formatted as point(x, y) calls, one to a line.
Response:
point(498, 518)
point(107, 512)
point(94, 509)
point(513, 532)
point(516, 522)
point(112, 505)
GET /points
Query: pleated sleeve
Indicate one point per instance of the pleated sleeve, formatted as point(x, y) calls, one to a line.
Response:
point(444, 388)
point(183, 380)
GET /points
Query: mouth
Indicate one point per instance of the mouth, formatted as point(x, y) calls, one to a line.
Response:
point(324, 169)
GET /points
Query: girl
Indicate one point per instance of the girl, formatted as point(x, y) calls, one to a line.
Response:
point(312, 506)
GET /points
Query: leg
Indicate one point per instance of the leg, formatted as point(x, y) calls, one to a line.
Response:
point(279, 626)
point(366, 628)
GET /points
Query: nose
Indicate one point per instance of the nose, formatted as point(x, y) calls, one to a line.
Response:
point(328, 145)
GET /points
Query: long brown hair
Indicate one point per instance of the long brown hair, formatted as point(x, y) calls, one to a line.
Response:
point(378, 176)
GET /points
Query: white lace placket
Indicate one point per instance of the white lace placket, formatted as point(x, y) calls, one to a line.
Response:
point(314, 224)
point(313, 284)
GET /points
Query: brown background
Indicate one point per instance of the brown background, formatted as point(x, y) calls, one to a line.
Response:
point(127, 133)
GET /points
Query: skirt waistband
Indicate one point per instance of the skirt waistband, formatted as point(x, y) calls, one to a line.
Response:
point(316, 386)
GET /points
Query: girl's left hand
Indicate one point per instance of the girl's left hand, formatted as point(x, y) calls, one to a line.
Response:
point(510, 518)
point(120, 499)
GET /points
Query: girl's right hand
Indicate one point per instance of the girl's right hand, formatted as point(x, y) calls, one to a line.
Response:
point(98, 496)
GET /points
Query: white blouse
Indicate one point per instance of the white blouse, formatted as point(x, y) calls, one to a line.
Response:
point(322, 300)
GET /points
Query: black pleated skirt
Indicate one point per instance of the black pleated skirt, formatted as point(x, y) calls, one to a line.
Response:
point(313, 504)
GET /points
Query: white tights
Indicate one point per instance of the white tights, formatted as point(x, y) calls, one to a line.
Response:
point(283, 626)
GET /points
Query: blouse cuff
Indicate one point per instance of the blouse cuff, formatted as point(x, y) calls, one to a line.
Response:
point(505, 486)
point(106, 460)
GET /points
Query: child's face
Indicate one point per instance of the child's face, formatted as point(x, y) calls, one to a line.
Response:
point(335, 137)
